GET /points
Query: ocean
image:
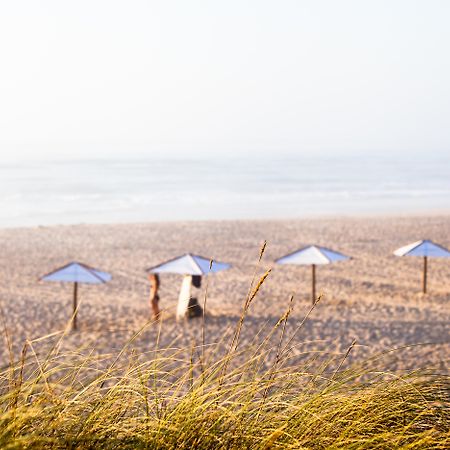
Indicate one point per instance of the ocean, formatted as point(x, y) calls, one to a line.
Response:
point(228, 187)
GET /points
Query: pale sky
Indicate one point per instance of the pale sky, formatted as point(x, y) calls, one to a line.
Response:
point(120, 78)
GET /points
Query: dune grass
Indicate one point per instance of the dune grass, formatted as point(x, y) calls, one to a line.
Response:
point(221, 396)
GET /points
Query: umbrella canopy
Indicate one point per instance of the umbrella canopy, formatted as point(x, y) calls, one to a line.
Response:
point(76, 272)
point(190, 264)
point(426, 249)
point(312, 255)
point(423, 248)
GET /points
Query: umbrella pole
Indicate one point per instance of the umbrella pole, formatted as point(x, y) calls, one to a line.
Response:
point(75, 298)
point(425, 264)
point(313, 284)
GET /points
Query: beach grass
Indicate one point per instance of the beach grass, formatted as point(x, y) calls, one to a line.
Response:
point(215, 396)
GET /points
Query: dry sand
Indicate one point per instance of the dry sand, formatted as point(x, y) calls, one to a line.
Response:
point(374, 298)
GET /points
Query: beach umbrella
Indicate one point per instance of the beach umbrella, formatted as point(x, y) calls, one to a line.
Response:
point(76, 272)
point(426, 249)
point(313, 256)
point(189, 264)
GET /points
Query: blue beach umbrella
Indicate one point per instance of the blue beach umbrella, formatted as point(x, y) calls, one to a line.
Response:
point(426, 249)
point(76, 272)
point(313, 256)
point(189, 264)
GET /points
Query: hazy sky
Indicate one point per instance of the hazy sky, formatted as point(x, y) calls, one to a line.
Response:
point(120, 78)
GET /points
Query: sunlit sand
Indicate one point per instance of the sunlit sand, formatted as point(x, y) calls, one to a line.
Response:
point(375, 298)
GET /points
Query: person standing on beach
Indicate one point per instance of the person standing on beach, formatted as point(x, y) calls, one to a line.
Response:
point(195, 310)
point(154, 297)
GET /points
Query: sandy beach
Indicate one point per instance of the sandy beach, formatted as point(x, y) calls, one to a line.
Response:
point(374, 299)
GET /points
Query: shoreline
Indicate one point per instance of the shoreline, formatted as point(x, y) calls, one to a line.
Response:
point(443, 213)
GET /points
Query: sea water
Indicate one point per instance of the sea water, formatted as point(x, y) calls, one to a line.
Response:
point(140, 189)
